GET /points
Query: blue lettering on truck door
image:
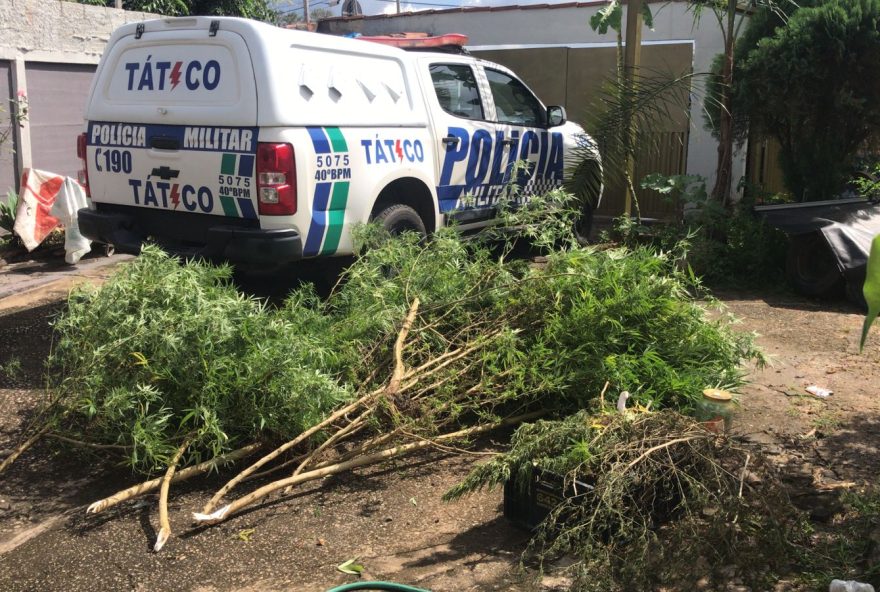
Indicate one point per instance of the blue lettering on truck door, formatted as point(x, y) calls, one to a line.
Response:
point(488, 163)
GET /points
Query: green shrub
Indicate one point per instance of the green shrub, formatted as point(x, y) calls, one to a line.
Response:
point(165, 352)
point(8, 209)
point(812, 86)
point(652, 500)
point(726, 247)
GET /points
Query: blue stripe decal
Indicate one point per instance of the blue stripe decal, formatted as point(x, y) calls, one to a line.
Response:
point(322, 145)
point(448, 196)
point(245, 165)
point(319, 219)
point(247, 208)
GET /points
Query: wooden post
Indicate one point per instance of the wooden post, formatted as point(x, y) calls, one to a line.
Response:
point(21, 136)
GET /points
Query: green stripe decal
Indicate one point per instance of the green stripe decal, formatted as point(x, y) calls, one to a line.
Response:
point(335, 217)
point(227, 165)
point(336, 139)
point(229, 208)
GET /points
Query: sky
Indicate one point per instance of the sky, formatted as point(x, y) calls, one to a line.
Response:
point(389, 6)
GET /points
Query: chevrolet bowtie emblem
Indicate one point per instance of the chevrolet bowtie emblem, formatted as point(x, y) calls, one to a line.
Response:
point(165, 173)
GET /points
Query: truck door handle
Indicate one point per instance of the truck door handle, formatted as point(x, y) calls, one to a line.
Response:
point(164, 143)
point(451, 140)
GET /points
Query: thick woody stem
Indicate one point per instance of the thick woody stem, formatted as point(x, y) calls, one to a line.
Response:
point(152, 484)
point(164, 522)
point(360, 461)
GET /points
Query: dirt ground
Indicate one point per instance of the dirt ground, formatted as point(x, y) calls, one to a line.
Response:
point(390, 517)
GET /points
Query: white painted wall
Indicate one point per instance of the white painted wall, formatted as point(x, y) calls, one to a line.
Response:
point(54, 31)
point(51, 32)
point(566, 25)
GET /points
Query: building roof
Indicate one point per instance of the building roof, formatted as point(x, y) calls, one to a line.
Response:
point(472, 9)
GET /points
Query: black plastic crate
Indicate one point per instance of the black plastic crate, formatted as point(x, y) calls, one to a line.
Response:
point(526, 505)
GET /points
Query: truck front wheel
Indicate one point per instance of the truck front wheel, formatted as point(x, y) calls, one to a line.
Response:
point(400, 218)
point(583, 225)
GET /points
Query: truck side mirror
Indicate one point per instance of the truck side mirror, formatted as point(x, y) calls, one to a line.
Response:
point(556, 115)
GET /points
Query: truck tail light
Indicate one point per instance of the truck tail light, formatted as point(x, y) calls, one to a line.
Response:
point(276, 179)
point(83, 173)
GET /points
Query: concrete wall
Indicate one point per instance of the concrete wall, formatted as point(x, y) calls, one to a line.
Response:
point(8, 169)
point(42, 40)
point(53, 31)
point(568, 26)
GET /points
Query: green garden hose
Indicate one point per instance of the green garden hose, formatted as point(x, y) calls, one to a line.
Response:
point(389, 586)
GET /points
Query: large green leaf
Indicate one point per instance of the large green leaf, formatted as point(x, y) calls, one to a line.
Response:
point(611, 17)
point(871, 289)
point(608, 17)
point(647, 17)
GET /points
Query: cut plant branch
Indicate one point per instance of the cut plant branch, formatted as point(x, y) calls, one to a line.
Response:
point(422, 342)
point(23, 447)
point(153, 484)
point(164, 522)
point(360, 461)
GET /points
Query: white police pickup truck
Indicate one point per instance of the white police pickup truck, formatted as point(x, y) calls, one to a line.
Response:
point(239, 141)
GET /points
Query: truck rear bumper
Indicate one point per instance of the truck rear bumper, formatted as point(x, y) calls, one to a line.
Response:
point(250, 247)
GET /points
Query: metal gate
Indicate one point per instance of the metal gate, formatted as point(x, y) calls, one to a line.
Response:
point(57, 98)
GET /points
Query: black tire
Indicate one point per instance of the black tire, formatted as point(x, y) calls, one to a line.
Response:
point(583, 226)
point(400, 218)
point(811, 267)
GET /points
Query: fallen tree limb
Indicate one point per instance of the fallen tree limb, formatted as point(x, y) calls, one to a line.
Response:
point(661, 446)
point(354, 463)
point(152, 484)
point(164, 522)
point(355, 425)
point(400, 342)
point(85, 444)
point(23, 447)
point(393, 386)
point(285, 447)
point(278, 467)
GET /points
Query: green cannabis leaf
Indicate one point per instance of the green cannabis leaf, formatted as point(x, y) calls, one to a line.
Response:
point(871, 290)
point(350, 567)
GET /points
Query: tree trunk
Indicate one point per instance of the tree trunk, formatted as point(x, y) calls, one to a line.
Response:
point(632, 58)
point(724, 168)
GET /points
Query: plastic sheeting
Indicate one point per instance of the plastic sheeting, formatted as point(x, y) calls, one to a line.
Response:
point(46, 201)
point(848, 227)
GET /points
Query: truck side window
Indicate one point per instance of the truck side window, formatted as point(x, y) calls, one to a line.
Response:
point(456, 88)
point(514, 103)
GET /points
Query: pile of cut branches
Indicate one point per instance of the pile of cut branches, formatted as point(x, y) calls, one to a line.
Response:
point(652, 499)
point(167, 366)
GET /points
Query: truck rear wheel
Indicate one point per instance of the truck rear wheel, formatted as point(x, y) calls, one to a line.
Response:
point(810, 266)
point(400, 218)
